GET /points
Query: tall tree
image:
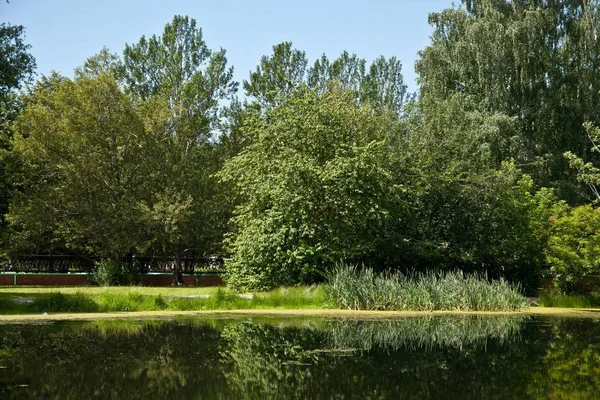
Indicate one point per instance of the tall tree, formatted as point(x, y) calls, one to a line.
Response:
point(314, 190)
point(178, 72)
point(85, 162)
point(279, 75)
point(537, 61)
point(17, 67)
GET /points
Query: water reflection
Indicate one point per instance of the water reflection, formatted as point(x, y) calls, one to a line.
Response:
point(430, 357)
point(426, 332)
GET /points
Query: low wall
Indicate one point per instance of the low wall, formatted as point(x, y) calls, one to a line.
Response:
point(203, 280)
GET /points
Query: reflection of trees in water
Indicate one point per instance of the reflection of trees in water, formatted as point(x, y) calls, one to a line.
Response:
point(396, 357)
point(431, 357)
point(263, 359)
point(570, 367)
point(107, 360)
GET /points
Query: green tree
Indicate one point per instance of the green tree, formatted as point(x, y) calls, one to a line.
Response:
point(180, 74)
point(573, 248)
point(314, 190)
point(536, 61)
point(84, 162)
point(17, 67)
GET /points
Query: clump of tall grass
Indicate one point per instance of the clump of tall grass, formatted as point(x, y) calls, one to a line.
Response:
point(354, 288)
point(557, 299)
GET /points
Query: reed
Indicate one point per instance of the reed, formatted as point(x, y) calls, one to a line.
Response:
point(356, 288)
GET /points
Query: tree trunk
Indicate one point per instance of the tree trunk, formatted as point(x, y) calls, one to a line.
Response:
point(177, 274)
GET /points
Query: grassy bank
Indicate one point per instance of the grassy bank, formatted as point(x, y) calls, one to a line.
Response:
point(553, 299)
point(117, 299)
point(348, 288)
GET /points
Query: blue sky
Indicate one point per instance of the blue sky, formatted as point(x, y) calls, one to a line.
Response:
point(63, 33)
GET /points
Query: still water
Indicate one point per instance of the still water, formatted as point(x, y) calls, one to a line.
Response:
point(442, 357)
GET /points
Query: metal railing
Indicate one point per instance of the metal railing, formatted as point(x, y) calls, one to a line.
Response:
point(78, 264)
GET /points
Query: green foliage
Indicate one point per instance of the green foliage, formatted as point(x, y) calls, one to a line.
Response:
point(556, 299)
point(574, 247)
point(535, 61)
point(16, 64)
point(314, 190)
point(112, 273)
point(465, 208)
point(363, 289)
point(16, 69)
point(279, 75)
point(83, 161)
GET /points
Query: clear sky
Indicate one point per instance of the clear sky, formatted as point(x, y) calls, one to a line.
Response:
point(63, 33)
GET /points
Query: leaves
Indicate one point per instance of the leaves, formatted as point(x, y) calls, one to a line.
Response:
point(86, 161)
point(533, 61)
point(313, 190)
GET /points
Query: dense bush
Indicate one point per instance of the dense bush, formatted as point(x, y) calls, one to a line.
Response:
point(112, 273)
point(573, 249)
point(313, 187)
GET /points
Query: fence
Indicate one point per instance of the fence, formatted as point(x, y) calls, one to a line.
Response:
point(65, 264)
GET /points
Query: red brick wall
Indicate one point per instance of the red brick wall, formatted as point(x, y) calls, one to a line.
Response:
point(156, 280)
point(210, 281)
point(6, 280)
point(167, 280)
point(52, 280)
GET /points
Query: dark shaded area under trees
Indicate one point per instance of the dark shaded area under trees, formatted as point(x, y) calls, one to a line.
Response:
point(152, 153)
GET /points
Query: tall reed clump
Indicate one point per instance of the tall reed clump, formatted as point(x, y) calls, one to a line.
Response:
point(356, 288)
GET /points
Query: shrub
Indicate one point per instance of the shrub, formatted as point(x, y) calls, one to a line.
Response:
point(573, 249)
point(113, 273)
point(315, 189)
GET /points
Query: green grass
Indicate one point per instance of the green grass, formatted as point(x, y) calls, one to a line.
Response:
point(144, 290)
point(348, 288)
point(553, 299)
point(115, 299)
point(362, 289)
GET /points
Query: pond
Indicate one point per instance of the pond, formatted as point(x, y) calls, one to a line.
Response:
point(462, 357)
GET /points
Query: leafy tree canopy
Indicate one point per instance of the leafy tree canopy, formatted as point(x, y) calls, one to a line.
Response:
point(314, 189)
point(536, 61)
point(83, 157)
point(381, 85)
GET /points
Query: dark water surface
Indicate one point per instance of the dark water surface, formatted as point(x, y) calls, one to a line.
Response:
point(442, 357)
